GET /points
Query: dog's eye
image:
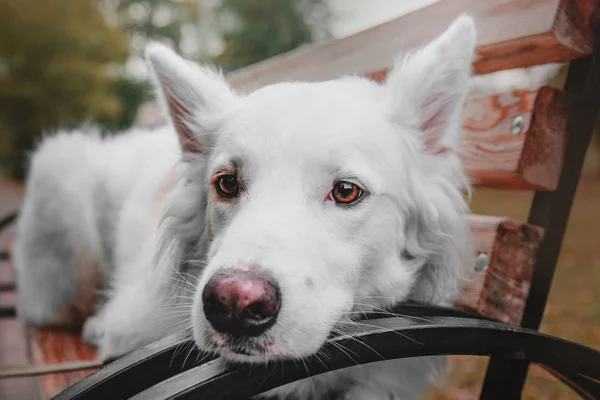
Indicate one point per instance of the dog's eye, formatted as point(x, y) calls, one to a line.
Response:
point(344, 192)
point(227, 186)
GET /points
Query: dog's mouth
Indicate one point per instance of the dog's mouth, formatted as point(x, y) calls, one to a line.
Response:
point(258, 349)
point(243, 348)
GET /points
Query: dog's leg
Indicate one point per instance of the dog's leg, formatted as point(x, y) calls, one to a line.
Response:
point(124, 323)
point(131, 320)
point(138, 312)
point(58, 265)
point(111, 332)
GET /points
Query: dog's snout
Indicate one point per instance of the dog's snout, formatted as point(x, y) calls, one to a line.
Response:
point(241, 303)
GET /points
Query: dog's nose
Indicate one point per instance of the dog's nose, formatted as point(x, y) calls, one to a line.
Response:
point(241, 303)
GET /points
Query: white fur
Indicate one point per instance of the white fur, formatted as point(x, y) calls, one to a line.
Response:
point(289, 143)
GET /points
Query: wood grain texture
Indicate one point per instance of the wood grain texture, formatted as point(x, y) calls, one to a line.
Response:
point(494, 156)
point(500, 290)
point(52, 346)
point(511, 34)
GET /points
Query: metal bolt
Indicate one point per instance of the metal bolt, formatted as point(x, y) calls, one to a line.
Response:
point(482, 261)
point(516, 127)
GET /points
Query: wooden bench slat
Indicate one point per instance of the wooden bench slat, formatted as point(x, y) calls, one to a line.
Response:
point(497, 154)
point(511, 34)
point(500, 289)
point(52, 346)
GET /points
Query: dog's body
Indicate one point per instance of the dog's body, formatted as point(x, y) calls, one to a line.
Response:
point(300, 204)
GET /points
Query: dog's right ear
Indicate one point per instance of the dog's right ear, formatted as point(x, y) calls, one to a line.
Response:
point(192, 95)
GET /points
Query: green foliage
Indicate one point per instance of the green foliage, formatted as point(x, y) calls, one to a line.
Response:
point(54, 59)
point(55, 56)
point(132, 94)
point(265, 28)
point(142, 18)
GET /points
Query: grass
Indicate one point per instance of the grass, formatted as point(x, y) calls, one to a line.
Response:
point(573, 310)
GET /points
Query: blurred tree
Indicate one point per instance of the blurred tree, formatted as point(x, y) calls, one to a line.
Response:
point(132, 94)
point(55, 58)
point(142, 20)
point(153, 19)
point(254, 30)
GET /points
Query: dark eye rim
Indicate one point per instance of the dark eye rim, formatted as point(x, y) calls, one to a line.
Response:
point(218, 179)
point(359, 197)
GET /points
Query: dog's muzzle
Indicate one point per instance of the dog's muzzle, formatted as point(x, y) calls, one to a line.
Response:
point(241, 303)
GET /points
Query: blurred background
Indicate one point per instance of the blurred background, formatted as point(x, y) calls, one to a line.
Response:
point(70, 62)
point(63, 62)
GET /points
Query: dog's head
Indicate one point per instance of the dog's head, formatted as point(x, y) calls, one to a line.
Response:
point(312, 201)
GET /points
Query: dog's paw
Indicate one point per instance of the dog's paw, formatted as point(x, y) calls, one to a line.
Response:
point(93, 331)
point(110, 344)
point(114, 345)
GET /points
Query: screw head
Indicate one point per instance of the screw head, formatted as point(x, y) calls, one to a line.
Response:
point(516, 127)
point(482, 261)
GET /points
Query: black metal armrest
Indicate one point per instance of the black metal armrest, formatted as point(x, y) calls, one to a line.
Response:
point(385, 339)
point(130, 374)
point(175, 368)
point(139, 370)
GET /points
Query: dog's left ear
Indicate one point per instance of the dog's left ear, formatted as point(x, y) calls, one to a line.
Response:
point(429, 86)
point(194, 96)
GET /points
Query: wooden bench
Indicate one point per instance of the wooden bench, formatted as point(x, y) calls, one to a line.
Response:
point(527, 139)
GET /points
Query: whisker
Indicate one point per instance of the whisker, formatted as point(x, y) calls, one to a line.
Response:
point(359, 324)
point(190, 275)
point(190, 351)
point(203, 355)
point(316, 355)
point(179, 347)
point(173, 315)
point(341, 348)
point(361, 342)
point(390, 314)
point(180, 306)
point(181, 297)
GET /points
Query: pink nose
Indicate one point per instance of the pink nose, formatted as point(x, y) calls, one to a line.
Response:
point(241, 303)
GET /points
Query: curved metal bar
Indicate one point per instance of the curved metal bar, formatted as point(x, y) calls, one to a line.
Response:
point(394, 338)
point(585, 387)
point(8, 312)
point(7, 286)
point(8, 219)
point(125, 376)
point(413, 309)
point(141, 369)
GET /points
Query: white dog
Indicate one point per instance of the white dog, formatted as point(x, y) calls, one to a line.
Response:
point(286, 212)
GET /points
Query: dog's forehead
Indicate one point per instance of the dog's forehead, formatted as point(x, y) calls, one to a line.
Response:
point(310, 117)
point(316, 98)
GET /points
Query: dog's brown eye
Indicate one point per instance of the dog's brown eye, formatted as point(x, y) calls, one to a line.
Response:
point(227, 186)
point(346, 192)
